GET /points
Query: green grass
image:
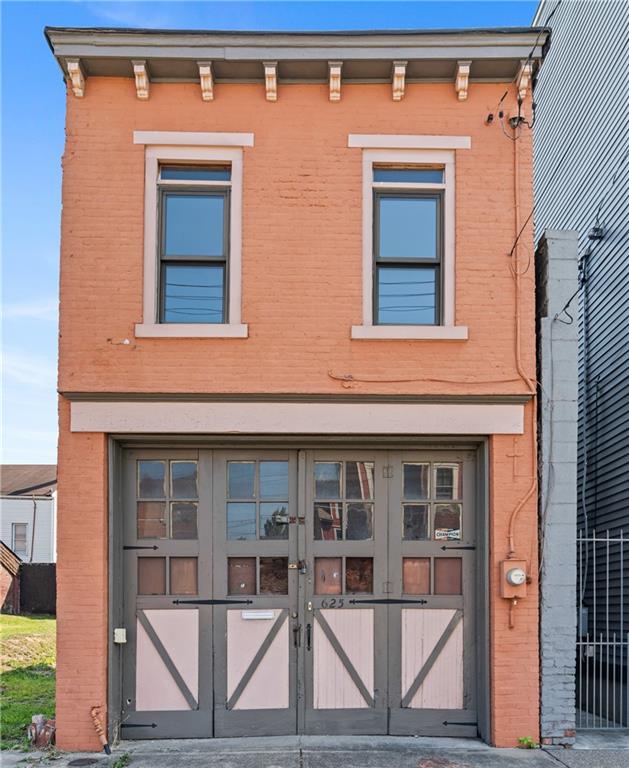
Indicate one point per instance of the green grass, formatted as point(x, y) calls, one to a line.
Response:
point(27, 674)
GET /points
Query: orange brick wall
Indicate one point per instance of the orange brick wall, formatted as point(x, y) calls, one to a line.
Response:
point(82, 588)
point(302, 262)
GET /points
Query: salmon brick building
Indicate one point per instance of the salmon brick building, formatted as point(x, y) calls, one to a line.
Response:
point(297, 462)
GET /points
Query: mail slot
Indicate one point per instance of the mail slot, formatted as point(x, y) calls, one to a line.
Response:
point(257, 614)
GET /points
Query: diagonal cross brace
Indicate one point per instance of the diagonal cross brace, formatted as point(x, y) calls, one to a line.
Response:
point(351, 670)
point(168, 662)
point(434, 655)
point(266, 644)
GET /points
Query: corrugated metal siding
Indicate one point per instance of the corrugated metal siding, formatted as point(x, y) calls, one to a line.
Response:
point(582, 108)
point(582, 99)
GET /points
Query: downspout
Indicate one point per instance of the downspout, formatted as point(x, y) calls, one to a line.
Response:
point(531, 385)
point(30, 558)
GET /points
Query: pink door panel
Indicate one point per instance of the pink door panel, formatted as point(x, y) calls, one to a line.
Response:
point(167, 660)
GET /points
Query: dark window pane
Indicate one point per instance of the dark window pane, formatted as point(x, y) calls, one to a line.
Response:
point(409, 175)
point(273, 479)
point(152, 520)
point(151, 479)
point(273, 520)
point(183, 576)
point(416, 478)
point(407, 295)
point(448, 576)
point(241, 479)
point(151, 575)
point(359, 521)
point(327, 480)
point(190, 173)
point(183, 520)
point(358, 575)
point(416, 522)
point(183, 478)
point(328, 521)
point(241, 520)
point(408, 227)
point(241, 575)
point(328, 579)
point(447, 521)
point(273, 575)
point(416, 575)
point(194, 225)
point(359, 480)
point(192, 294)
point(448, 481)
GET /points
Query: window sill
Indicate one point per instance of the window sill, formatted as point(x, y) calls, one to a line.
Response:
point(421, 332)
point(191, 331)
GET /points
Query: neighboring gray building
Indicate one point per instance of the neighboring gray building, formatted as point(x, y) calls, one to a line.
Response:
point(28, 511)
point(581, 143)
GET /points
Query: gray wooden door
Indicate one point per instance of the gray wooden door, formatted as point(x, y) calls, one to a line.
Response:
point(432, 538)
point(256, 630)
point(345, 544)
point(278, 592)
point(167, 672)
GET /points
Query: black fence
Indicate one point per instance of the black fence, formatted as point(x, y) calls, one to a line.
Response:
point(38, 588)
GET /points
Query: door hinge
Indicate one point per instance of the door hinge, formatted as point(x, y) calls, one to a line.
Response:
point(387, 471)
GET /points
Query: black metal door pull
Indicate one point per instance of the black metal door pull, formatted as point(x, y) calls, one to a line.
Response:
point(387, 601)
point(308, 636)
point(129, 546)
point(212, 602)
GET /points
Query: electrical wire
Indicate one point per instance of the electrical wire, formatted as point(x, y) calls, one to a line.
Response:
point(539, 34)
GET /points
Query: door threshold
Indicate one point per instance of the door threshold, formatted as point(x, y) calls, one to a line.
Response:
point(270, 744)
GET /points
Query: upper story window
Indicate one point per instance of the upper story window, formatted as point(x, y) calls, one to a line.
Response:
point(192, 234)
point(407, 245)
point(194, 204)
point(19, 537)
point(408, 237)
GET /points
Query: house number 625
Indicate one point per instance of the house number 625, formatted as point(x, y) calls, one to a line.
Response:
point(332, 602)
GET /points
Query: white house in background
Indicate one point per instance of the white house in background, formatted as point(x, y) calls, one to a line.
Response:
point(28, 511)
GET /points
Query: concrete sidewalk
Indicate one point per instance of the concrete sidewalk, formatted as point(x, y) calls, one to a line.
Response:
point(328, 752)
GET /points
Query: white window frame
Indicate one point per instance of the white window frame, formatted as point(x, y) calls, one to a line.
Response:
point(178, 146)
point(410, 153)
point(13, 527)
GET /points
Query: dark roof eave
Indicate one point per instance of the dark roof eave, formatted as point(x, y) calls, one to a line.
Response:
point(300, 33)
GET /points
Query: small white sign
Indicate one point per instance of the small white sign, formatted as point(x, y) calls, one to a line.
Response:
point(257, 614)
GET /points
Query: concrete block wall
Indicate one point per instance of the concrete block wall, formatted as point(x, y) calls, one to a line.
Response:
point(557, 282)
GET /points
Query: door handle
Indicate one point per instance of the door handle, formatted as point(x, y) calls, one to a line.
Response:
point(297, 635)
point(308, 636)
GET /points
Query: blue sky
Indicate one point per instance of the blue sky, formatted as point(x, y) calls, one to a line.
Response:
point(32, 145)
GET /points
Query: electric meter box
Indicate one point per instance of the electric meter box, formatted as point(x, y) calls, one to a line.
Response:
point(513, 578)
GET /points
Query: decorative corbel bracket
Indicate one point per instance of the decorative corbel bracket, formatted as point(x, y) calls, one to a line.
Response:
point(462, 79)
point(334, 76)
point(207, 81)
point(77, 78)
point(141, 79)
point(399, 80)
point(270, 80)
point(524, 78)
